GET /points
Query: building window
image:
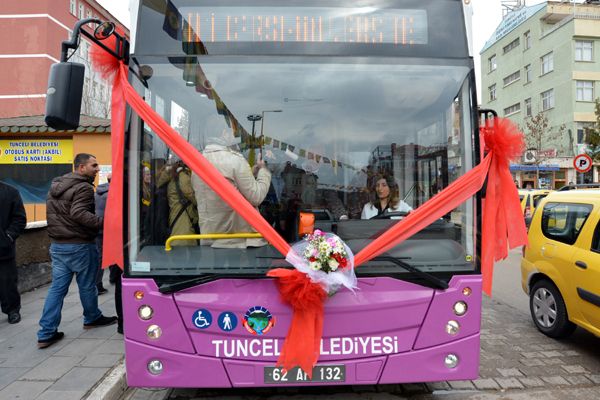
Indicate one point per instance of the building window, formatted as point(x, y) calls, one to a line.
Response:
point(515, 76)
point(584, 50)
point(526, 40)
point(492, 90)
point(73, 7)
point(547, 99)
point(492, 63)
point(515, 108)
point(89, 13)
point(511, 45)
point(547, 63)
point(584, 90)
point(528, 107)
point(581, 131)
point(81, 10)
point(528, 73)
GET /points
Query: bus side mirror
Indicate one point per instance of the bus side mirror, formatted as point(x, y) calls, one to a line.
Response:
point(63, 98)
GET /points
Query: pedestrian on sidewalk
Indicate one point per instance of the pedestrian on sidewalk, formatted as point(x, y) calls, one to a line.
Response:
point(115, 271)
point(100, 198)
point(12, 223)
point(72, 227)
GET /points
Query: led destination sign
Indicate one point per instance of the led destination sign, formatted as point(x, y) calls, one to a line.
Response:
point(304, 25)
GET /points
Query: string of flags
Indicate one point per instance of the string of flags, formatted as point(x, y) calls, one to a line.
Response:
point(278, 144)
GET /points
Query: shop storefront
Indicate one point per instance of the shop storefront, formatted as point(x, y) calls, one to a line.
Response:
point(31, 155)
point(544, 176)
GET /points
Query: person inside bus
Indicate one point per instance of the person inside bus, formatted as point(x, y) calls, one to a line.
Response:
point(215, 216)
point(183, 214)
point(385, 198)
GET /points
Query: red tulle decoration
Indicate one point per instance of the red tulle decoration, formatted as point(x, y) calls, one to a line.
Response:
point(109, 67)
point(503, 224)
point(103, 62)
point(505, 140)
point(303, 340)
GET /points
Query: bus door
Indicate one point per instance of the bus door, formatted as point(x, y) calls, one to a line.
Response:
point(431, 173)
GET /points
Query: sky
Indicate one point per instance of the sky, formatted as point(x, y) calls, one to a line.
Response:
point(487, 15)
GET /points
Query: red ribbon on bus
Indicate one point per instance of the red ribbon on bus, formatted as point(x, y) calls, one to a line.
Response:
point(502, 227)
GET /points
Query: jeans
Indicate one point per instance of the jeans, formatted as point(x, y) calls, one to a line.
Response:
point(100, 273)
point(69, 259)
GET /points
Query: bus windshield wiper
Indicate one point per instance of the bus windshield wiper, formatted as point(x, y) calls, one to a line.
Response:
point(172, 287)
point(434, 280)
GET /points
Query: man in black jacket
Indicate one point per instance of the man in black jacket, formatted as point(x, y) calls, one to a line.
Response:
point(72, 227)
point(12, 223)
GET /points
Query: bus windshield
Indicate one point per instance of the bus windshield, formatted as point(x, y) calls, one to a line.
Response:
point(332, 125)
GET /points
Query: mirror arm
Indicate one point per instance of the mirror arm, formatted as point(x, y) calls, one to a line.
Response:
point(122, 45)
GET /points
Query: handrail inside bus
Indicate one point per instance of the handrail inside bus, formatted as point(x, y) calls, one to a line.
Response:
point(211, 236)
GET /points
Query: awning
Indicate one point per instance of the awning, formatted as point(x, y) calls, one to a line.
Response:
point(533, 168)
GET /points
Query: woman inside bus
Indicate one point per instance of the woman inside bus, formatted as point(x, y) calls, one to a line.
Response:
point(183, 215)
point(253, 183)
point(385, 198)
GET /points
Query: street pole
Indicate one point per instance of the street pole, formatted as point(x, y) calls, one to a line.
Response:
point(251, 155)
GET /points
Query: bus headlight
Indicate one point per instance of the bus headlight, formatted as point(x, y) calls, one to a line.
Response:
point(155, 367)
point(451, 361)
point(452, 327)
point(145, 312)
point(460, 308)
point(154, 332)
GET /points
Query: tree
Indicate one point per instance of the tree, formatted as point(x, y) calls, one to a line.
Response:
point(592, 136)
point(96, 96)
point(538, 136)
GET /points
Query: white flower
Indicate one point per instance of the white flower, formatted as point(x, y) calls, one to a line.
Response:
point(324, 247)
point(315, 266)
point(333, 264)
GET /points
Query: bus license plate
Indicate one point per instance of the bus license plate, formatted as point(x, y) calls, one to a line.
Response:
point(321, 373)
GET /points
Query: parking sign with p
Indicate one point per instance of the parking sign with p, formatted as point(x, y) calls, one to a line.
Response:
point(582, 163)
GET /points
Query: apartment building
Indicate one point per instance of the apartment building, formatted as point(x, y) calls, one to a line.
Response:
point(545, 59)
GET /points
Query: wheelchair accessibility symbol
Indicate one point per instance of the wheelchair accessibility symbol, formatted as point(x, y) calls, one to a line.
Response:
point(202, 318)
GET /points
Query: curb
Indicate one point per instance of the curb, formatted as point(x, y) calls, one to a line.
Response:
point(112, 386)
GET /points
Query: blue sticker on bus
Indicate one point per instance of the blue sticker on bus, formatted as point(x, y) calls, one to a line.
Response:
point(202, 318)
point(227, 321)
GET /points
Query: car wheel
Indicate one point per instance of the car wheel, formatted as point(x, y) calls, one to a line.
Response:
point(548, 310)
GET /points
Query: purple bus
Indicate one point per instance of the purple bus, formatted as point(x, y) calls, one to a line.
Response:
point(336, 97)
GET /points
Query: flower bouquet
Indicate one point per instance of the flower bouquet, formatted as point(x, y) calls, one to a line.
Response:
point(326, 259)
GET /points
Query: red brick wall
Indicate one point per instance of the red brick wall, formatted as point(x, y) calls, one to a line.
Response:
point(40, 35)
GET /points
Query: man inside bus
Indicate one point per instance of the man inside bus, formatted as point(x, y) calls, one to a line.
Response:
point(385, 198)
point(215, 216)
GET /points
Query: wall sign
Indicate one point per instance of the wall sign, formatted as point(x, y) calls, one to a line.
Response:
point(36, 151)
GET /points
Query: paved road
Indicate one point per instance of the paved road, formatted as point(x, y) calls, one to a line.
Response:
point(507, 283)
point(517, 361)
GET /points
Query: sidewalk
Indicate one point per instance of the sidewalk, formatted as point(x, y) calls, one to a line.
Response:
point(69, 369)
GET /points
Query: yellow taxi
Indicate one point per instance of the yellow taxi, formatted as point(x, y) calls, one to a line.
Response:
point(560, 269)
point(530, 198)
